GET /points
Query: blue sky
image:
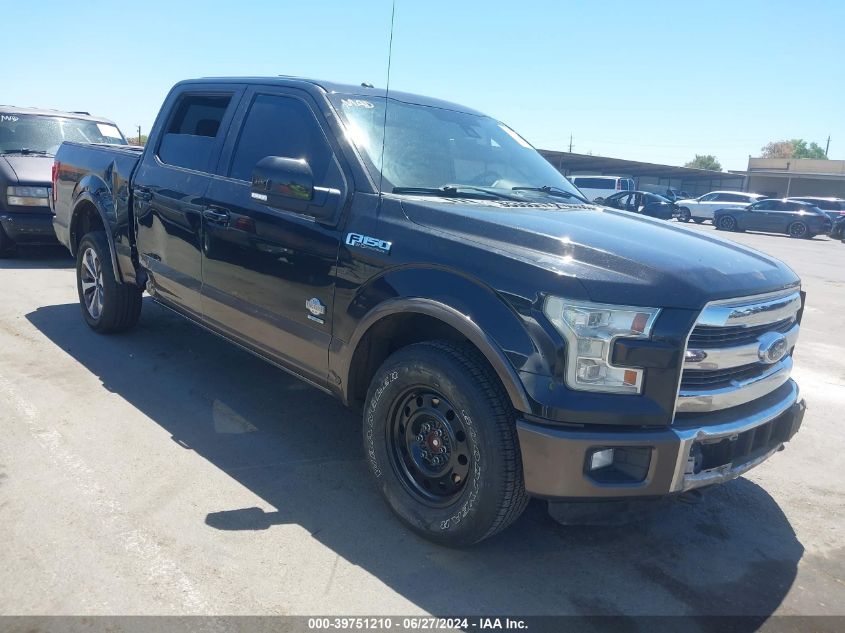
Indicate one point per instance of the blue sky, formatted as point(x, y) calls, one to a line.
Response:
point(655, 81)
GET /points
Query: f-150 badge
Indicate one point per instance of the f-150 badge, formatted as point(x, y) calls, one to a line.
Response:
point(316, 308)
point(365, 241)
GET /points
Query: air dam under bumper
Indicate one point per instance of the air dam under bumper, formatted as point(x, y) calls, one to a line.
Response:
point(29, 227)
point(695, 451)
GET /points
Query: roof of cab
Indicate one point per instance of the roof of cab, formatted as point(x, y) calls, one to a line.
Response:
point(336, 88)
point(8, 109)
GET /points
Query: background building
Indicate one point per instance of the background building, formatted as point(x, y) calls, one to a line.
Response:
point(782, 177)
point(696, 182)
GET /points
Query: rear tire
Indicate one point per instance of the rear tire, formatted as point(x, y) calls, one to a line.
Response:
point(799, 230)
point(698, 220)
point(7, 245)
point(440, 438)
point(107, 305)
point(684, 215)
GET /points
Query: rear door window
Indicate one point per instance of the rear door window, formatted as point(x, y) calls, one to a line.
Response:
point(190, 138)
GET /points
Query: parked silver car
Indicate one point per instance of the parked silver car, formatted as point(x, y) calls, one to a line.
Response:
point(702, 208)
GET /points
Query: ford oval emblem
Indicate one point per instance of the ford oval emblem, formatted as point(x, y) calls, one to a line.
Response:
point(773, 347)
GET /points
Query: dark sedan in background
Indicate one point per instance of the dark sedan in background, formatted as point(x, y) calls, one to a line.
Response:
point(642, 202)
point(772, 215)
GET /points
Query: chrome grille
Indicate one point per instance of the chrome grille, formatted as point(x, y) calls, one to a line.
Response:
point(710, 336)
point(738, 351)
point(720, 377)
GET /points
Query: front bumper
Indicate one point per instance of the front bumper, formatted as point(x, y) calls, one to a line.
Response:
point(29, 227)
point(694, 452)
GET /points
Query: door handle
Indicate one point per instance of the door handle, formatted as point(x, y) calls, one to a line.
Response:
point(219, 216)
point(144, 194)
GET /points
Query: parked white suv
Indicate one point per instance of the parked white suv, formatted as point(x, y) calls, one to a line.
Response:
point(702, 208)
point(601, 186)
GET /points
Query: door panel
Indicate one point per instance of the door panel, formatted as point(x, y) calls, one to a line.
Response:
point(169, 189)
point(262, 265)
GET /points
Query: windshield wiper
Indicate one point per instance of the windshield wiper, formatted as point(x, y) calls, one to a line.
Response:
point(25, 150)
point(552, 191)
point(455, 191)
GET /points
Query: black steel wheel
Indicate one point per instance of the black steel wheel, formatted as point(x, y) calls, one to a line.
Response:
point(429, 447)
point(684, 215)
point(726, 223)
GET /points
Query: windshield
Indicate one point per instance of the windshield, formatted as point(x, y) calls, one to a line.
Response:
point(44, 134)
point(427, 147)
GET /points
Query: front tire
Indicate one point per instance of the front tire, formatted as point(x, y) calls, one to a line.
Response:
point(684, 215)
point(107, 305)
point(440, 439)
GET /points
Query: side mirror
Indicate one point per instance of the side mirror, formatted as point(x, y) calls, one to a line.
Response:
point(287, 183)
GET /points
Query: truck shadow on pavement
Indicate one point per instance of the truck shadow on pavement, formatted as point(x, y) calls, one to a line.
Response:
point(300, 451)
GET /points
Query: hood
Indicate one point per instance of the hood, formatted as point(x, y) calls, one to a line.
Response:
point(28, 170)
point(618, 257)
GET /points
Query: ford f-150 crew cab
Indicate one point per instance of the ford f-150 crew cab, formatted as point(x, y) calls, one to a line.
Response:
point(422, 262)
point(29, 138)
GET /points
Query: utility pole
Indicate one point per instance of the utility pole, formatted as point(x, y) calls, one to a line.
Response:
point(827, 147)
point(570, 143)
point(139, 135)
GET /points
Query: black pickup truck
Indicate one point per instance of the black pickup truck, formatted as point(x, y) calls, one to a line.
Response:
point(423, 263)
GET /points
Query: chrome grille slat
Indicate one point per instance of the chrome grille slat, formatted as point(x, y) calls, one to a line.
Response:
point(730, 361)
point(711, 336)
point(719, 377)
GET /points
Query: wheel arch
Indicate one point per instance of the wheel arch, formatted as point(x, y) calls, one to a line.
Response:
point(89, 214)
point(415, 319)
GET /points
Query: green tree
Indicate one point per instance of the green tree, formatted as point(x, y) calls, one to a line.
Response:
point(802, 150)
point(705, 161)
point(793, 148)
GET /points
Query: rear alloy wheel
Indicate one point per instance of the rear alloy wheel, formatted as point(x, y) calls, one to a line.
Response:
point(440, 439)
point(107, 305)
point(684, 215)
point(726, 223)
point(799, 230)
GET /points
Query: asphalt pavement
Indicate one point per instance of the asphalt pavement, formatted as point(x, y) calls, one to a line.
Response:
point(165, 471)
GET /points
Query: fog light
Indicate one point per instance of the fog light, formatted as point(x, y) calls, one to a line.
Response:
point(601, 458)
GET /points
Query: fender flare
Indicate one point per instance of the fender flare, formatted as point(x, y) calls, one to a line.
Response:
point(456, 319)
point(82, 196)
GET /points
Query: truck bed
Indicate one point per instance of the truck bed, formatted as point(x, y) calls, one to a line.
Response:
point(97, 176)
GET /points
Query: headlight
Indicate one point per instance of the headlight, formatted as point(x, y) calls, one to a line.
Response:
point(590, 330)
point(28, 196)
